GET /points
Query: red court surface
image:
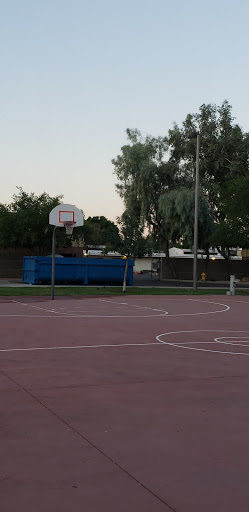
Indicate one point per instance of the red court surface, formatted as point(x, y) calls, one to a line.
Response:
point(124, 404)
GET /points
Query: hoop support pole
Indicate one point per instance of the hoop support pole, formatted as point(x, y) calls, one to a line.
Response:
point(53, 262)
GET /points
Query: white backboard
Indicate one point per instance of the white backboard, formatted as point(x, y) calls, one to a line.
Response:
point(66, 213)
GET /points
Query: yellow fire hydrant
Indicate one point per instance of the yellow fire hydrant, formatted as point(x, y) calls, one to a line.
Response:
point(203, 276)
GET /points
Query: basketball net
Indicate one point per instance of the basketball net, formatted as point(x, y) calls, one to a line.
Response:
point(69, 225)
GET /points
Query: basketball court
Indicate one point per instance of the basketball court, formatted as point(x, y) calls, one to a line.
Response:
point(124, 403)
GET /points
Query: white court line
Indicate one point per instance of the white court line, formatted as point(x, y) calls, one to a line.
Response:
point(57, 314)
point(194, 343)
point(133, 306)
point(82, 316)
point(200, 349)
point(33, 316)
point(206, 312)
point(76, 312)
point(87, 315)
point(36, 307)
point(73, 347)
point(238, 343)
point(182, 314)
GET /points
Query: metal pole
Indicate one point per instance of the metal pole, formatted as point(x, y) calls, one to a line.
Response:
point(195, 267)
point(53, 263)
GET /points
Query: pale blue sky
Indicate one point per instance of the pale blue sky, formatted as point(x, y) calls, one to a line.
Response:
point(76, 73)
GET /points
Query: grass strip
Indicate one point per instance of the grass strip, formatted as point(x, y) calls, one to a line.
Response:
point(68, 291)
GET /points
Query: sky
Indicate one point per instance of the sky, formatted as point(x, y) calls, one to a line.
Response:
point(75, 74)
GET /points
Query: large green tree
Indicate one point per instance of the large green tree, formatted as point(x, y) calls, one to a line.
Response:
point(224, 151)
point(178, 210)
point(156, 176)
point(7, 235)
point(132, 242)
point(233, 230)
point(24, 222)
point(143, 176)
point(99, 230)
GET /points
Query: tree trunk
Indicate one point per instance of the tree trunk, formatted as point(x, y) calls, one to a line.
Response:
point(125, 275)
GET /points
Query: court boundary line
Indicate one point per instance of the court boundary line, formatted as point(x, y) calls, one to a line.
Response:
point(227, 308)
point(82, 316)
point(133, 305)
point(57, 314)
point(74, 347)
point(200, 349)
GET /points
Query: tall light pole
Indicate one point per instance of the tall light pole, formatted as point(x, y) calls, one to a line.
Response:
point(196, 135)
point(195, 269)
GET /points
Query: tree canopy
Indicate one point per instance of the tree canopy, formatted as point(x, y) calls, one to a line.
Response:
point(132, 242)
point(24, 222)
point(156, 179)
point(100, 231)
point(143, 176)
point(233, 230)
point(177, 209)
point(224, 150)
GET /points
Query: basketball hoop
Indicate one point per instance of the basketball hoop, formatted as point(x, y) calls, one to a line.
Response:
point(69, 225)
point(63, 216)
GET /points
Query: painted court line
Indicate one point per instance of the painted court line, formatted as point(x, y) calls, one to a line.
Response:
point(76, 315)
point(194, 343)
point(158, 312)
point(225, 306)
point(82, 316)
point(240, 341)
point(182, 345)
point(134, 306)
point(36, 307)
point(73, 347)
point(206, 312)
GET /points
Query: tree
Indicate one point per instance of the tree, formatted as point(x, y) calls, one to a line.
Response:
point(156, 176)
point(6, 227)
point(224, 161)
point(178, 210)
point(24, 223)
point(100, 231)
point(132, 242)
point(224, 151)
point(143, 176)
point(233, 230)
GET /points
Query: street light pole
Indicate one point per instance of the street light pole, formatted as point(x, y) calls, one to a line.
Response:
point(195, 266)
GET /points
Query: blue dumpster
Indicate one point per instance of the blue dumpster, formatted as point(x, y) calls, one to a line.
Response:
point(37, 269)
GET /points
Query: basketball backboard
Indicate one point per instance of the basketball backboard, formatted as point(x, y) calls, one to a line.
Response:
point(66, 213)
